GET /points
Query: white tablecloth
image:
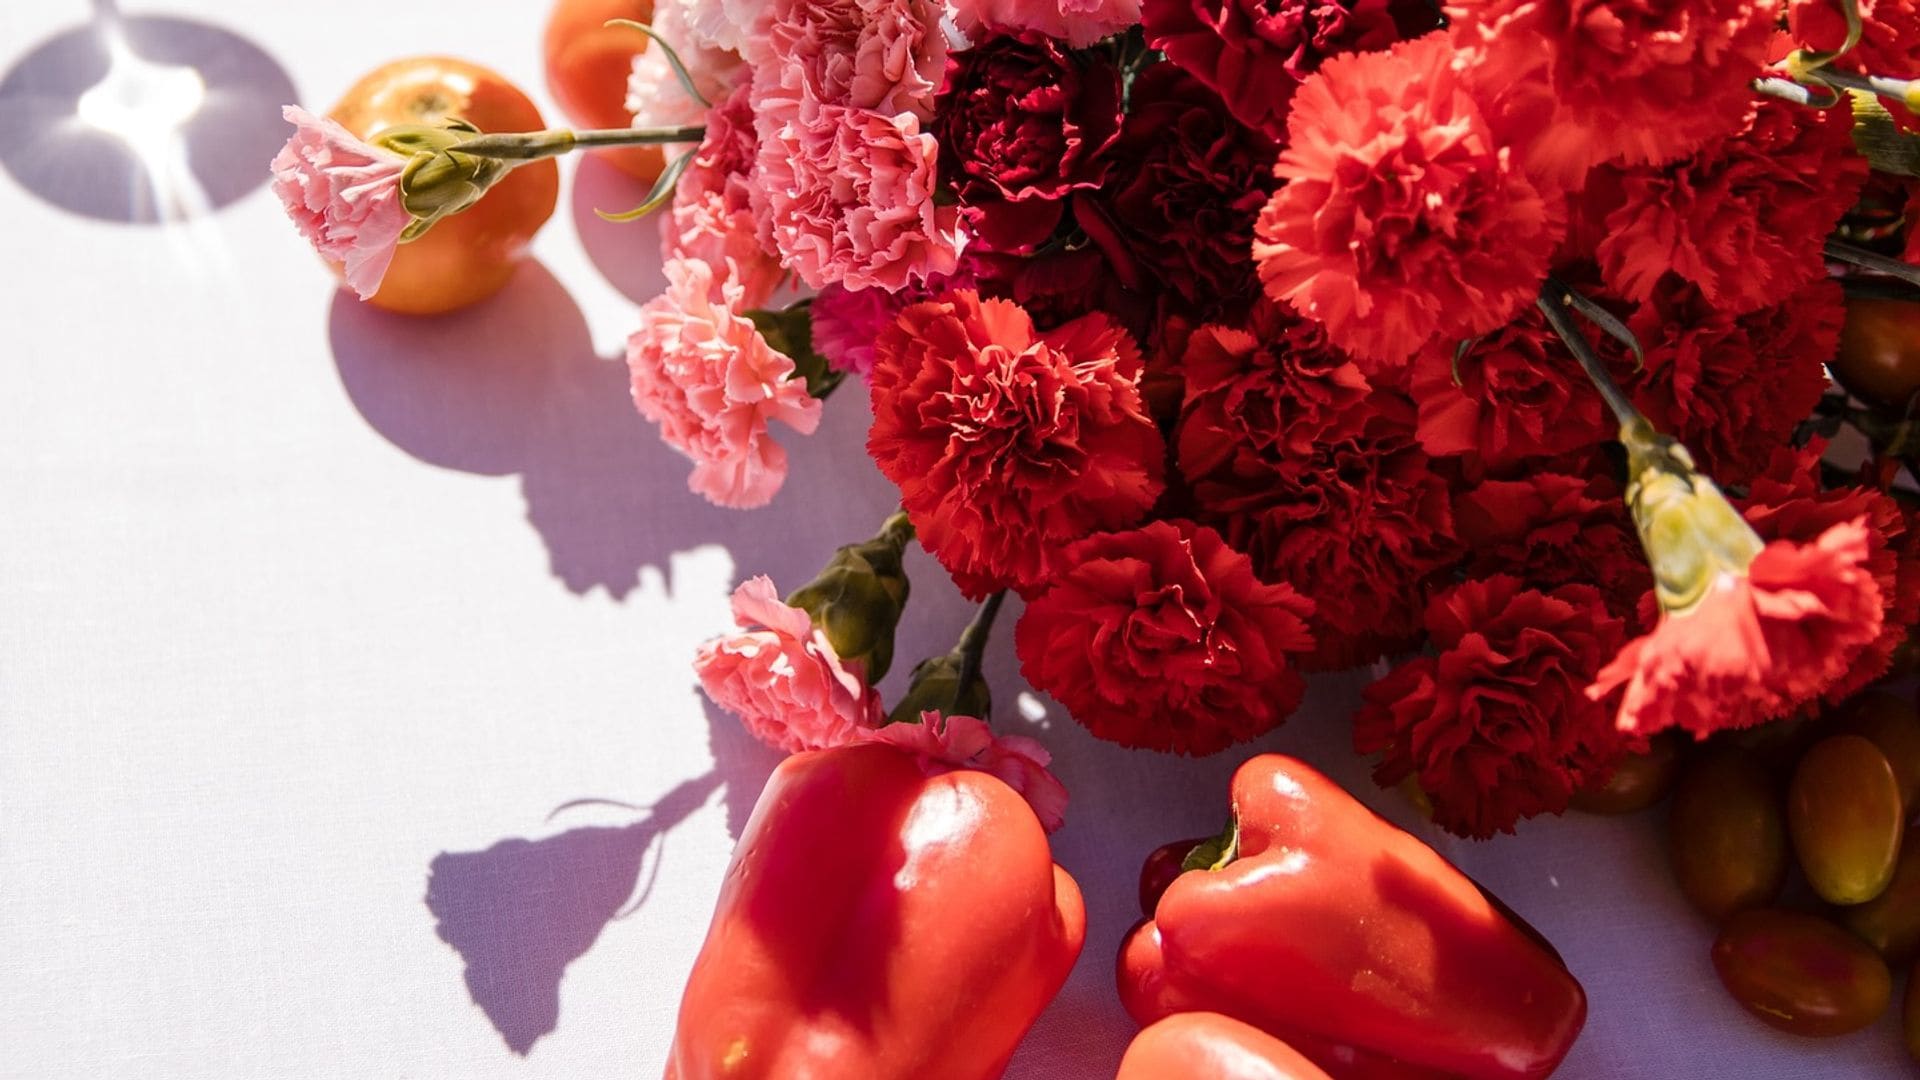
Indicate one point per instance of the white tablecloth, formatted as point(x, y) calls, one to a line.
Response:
point(317, 625)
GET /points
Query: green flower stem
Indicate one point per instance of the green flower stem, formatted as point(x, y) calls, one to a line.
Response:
point(1557, 304)
point(535, 145)
point(973, 640)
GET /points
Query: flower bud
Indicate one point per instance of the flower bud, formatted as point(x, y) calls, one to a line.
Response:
point(857, 599)
point(935, 687)
point(1691, 534)
point(439, 180)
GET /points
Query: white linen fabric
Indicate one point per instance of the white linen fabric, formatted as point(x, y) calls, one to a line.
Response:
point(321, 630)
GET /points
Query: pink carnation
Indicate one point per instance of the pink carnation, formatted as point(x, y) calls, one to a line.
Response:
point(846, 195)
point(847, 322)
point(885, 55)
point(343, 195)
point(1080, 22)
point(945, 743)
point(713, 384)
point(712, 218)
point(780, 676)
point(654, 94)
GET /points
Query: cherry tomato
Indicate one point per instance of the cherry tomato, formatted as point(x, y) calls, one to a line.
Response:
point(1879, 358)
point(1800, 973)
point(468, 256)
point(588, 63)
point(1163, 865)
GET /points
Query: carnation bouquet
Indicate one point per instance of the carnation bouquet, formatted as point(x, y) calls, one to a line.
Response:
point(1555, 360)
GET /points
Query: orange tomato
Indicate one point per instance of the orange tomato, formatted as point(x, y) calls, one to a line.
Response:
point(588, 63)
point(469, 256)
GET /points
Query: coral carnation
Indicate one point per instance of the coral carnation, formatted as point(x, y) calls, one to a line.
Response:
point(1403, 217)
point(1643, 82)
point(1163, 638)
point(944, 743)
point(780, 676)
point(884, 55)
point(1009, 443)
point(705, 374)
point(1743, 219)
point(1255, 52)
point(1496, 725)
point(1757, 646)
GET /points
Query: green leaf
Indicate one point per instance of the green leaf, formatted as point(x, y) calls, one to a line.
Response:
point(673, 60)
point(660, 195)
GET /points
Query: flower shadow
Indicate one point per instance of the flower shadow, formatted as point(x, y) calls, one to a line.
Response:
point(627, 253)
point(514, 386)
point(521, 911)
point(142, 119)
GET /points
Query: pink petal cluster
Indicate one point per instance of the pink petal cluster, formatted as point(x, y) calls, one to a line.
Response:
point(847, 322)
point(1080, 22)
point(845, 195)
point(885, 55)
point(343, 195)
point(1758, 646)
point(705, 374)
point(781, 677)
point(654, 94)
point(946, 743)
point(712, 218)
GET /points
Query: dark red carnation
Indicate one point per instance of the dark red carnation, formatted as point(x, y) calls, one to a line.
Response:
point(1188, 182)
point(1404, 216)
point(1021, 123)
point(1732, 388)
point(1316, 475)
point(1060, 284)
point(1638, 80)
point(1786, 503)
point(1519, 394)
point(1254, 53)
point(1496, 726)
point(1007, 443)
point(1742, 219)
point(1163, 638)
point(1551, 529)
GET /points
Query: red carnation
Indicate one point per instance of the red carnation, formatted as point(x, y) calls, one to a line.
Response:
point(1317, 476)
point(1404, 217)
point(1732, 388)
point(1163, 638)
point(1629, 79)
point(1742, 219)
point(1552, 529)
point(1254, 53)
point(1496, 725)
point(1187, 184)
point(1889, 34)
point(1007, 443)
point(1515, 394)
point(1757, 645)
point(1022, 122)
point(1786, 503)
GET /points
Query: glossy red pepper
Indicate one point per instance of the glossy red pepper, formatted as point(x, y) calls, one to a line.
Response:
point(1208, 1046)
point(1328, 927)
point(878, 923)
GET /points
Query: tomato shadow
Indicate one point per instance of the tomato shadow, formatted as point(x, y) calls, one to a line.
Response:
point(142, 119)
point(521, 911)
point(627, 253)
point(513, 386)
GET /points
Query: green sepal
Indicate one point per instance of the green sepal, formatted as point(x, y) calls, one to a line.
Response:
point(790, 330)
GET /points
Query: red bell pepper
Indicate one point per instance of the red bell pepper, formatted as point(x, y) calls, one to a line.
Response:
point(1326, 926)
point(878, 922)
point(1208, 1046)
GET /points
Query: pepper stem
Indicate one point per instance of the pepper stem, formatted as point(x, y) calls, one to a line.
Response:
point(1215, 853)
